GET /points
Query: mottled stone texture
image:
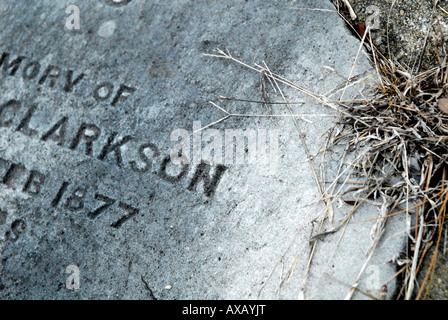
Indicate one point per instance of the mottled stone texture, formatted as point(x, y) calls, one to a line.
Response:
point(406, 31)
point(87, 115)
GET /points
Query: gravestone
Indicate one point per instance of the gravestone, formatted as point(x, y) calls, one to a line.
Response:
point(137, 162)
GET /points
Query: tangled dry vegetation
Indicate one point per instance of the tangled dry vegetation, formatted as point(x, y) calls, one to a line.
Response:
point(404, 131)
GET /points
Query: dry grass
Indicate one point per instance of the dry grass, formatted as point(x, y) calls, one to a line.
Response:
point(406, 136)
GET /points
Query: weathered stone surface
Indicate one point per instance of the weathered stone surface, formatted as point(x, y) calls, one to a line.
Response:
point(403, 29)
point(87, 117)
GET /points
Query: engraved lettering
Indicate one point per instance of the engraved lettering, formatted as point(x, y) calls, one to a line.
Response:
point(107, 203)
point(11, 104)
point(52, 73)
point(203, 173)
point(172, 179)
point(3, 216)
point(35, 69)
point(53, 134)
point(76, 201)
point(13, 65)
point(131, 213)
point(60, 194)
point(103, 91)
point(109, 147)
point(144, 158)
point(87, 132)
point(17, 228)
point(34, 182)
point(24, 125)
point(14, 173)
point(69, 84)
point(122, 94)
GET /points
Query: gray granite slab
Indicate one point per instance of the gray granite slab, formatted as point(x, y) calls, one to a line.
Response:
point(90, 116)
